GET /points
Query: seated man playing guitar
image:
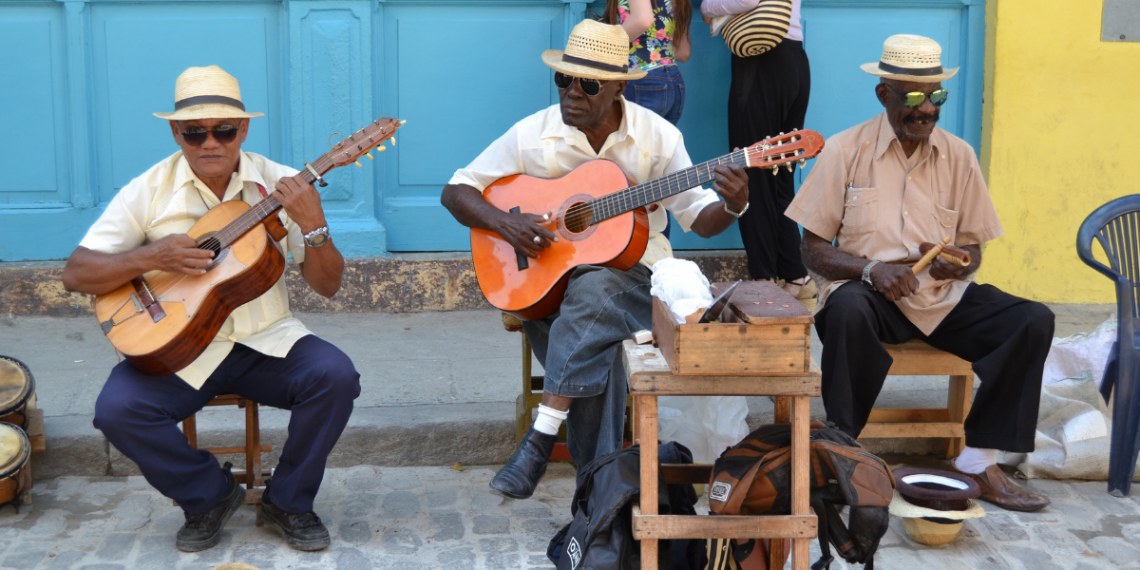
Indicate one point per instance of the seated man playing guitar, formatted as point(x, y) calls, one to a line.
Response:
point(261, 352)
point(579, 346)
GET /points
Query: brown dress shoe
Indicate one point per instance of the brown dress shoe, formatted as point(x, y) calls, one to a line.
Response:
point(999, 490)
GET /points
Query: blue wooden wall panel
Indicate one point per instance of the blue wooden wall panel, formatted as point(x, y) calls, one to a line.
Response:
point(460, 71)
point(33, 112)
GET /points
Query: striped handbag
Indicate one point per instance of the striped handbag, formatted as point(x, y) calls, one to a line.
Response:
point(758, 30)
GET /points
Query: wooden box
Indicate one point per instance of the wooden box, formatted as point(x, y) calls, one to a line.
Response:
point(764, 331)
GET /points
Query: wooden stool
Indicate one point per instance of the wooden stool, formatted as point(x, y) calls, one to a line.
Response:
point(531, 396)
point(916, 358)
point(253, 476)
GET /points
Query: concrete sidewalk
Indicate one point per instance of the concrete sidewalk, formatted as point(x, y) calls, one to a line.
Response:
point(420, 518)
point(437, 388)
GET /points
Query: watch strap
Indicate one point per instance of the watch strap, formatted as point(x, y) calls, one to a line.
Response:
point(867, 274)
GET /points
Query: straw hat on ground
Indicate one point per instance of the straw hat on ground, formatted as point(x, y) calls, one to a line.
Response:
point(207, 93)
point(594, 51)
point(910, 58)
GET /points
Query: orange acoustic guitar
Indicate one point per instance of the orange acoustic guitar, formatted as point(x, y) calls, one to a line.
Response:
point(598, 221)
point(163, 321)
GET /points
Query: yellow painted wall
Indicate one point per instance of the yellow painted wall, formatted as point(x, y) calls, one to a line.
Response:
point(1064, 138)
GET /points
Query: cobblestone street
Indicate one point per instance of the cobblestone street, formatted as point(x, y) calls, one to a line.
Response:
point(412, 518)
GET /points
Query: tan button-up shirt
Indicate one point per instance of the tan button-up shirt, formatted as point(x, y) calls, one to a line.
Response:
point(645, 147)
point(862, 193)
point(168, 199)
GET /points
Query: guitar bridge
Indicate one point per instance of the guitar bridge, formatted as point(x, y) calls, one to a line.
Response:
point(520, 257)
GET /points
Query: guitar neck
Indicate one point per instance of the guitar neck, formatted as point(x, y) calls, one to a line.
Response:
point(257, 213)
point(622, 201)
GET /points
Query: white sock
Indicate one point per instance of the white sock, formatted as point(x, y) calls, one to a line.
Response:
point(975, 460)
point(549, 420)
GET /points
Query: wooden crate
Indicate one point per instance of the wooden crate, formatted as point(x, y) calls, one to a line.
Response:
point(768, 332)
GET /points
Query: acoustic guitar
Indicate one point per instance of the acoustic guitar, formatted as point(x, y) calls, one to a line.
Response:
point(162, 321)
point(599, 220)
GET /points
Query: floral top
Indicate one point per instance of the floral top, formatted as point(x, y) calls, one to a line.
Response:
point(655, 47)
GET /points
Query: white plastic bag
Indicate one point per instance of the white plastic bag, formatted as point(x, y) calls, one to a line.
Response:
point(680, 284)
point(707, 425)
point(1085, 353)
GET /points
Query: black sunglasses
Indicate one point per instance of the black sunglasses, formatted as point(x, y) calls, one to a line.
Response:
point(196, 136)
point(914, 99)
point(590, 87)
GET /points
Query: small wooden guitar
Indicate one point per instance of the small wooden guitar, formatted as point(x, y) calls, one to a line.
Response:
point(163, 321)
point(598, 221)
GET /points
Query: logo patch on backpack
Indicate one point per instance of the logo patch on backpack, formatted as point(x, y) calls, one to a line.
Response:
point(720, 491)
point(575, 553)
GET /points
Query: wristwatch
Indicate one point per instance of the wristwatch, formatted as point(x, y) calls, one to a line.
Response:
point(867, 274)
point(317, 237)
point(736, 214)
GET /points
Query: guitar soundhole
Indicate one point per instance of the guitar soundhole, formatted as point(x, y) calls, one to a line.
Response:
point(578, 217)
point(211, 243)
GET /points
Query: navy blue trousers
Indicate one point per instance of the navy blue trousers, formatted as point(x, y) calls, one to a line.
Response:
point(317, 382)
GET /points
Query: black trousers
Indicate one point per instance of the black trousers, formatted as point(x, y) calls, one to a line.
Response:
point(769, 95)
point(1006, 338)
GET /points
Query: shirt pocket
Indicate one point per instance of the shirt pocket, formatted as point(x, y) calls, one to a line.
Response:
point(947, 218)
point(860, 211)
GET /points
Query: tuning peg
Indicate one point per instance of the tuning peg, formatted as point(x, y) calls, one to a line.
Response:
point(790, 166)
point(381, 148)
point(802, 161)
point(775, 170)
point(402, 123)
point(393, 139)
point(369, 155)
point(358, 165)
point(781, 133)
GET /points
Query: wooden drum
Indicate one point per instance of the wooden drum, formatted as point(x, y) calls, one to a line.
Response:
point(14, 453)
point(16, 387)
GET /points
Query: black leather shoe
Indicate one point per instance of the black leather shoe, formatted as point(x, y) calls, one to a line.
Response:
point(205, 530)
point(518, 478)
point(303, 531)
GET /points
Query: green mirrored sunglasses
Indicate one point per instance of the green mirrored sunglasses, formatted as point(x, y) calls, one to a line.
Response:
point(915, 98)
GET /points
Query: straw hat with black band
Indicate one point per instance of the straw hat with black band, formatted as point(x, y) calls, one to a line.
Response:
point(594, 51)
point(910, 58)
point(207, 93)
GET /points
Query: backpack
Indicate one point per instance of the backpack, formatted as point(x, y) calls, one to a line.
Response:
point(754, 478)
point(600, 536)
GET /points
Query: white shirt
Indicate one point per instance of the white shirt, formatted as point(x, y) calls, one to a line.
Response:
point(645, 146)
point(168, 199)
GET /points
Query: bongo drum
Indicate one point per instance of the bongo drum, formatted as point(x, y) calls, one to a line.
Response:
point(16, 387)
point(14, 452)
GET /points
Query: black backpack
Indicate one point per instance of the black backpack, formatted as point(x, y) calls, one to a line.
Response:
point(601, 535)
point(754, 477)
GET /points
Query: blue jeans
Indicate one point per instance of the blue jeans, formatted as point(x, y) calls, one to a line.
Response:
point(580, 348)
point(139, 415)
point(662, 91)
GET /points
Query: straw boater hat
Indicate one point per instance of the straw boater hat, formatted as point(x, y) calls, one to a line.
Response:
point(206, 93)
point(594, 51)
point(910, 58)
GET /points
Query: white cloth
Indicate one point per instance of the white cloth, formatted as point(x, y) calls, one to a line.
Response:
point(645, 147)
point(168, 199)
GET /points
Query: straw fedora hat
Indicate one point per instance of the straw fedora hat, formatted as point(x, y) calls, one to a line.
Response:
point(207, 93)
point(594, 51)
point(910, 58)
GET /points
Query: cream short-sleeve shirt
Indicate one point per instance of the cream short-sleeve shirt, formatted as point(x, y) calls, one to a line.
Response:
point(645, 146)
point(168, 199)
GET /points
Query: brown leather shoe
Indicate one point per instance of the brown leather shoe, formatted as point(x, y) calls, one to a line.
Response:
point(999, 490)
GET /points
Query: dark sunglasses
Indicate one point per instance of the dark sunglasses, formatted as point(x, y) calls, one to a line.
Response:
point(913, 99)
point(196, 136)
point(590, 87)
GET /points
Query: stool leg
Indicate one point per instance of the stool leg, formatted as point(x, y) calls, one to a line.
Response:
point(522, 404)
point(190, 430)
point(647, 418)
point(783, 410)
point(801, 467)
point(253, 452)
point(958, 401)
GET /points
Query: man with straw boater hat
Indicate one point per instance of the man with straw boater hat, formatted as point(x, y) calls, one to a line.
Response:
point(579, 346)
point(878, 195)
point(261, 352)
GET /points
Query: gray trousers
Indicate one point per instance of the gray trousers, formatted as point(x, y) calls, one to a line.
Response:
point(580, 348)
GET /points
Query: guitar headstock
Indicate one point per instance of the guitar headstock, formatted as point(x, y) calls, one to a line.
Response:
point(361, 142)
point(796, 146)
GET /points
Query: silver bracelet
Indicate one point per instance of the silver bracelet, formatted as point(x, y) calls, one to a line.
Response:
point(735, 214)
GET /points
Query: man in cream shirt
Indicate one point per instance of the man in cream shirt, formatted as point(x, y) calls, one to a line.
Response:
point(261, 352)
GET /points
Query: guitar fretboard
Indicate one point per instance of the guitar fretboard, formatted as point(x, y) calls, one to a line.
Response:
point(622, 201)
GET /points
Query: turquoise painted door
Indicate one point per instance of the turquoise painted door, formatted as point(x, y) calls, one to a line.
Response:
point(84, 76)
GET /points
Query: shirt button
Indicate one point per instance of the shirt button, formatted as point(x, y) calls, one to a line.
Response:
point(908, 179)
point(906, 213)
point(647, 154)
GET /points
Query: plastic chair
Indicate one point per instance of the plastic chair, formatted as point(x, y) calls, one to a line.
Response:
point(1116, 225)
